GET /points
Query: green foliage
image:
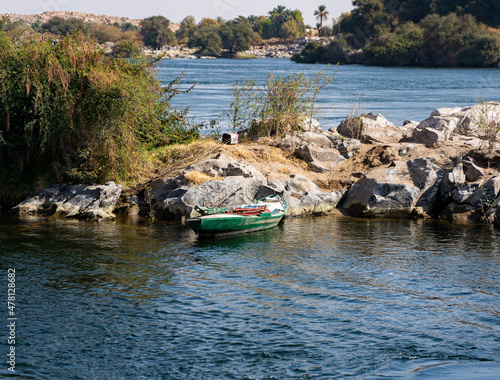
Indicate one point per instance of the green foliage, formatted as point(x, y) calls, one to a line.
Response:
point(236, 37)
point(457, 41)
point(188, 25)
point(156, 32)
point(382, 29)
point(364, 22)
point(69, 112)
point(279, 105)
point(335, 52)
point(208, 39)
point(126, 49)
point(104, 33)
point(274, 26)
point(396, 49)
point(61, 27)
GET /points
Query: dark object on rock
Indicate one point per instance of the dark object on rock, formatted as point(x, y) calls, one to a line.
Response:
point(230, 138)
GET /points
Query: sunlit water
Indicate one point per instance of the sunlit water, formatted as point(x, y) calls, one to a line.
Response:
point(320, 298)
point(399, 94)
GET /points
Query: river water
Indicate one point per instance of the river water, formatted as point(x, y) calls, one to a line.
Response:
point(399, 94)
point(320, 298)
point(314, 298)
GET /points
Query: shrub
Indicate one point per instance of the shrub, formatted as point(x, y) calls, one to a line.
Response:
point(69, 112)
point(279, 106)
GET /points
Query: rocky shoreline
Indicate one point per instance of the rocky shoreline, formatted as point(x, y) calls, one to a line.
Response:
point(444, 167)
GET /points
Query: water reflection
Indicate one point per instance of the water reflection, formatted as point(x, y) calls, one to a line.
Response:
point(321, 297)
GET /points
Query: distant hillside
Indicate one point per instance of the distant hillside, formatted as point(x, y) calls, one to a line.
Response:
point(85, 17)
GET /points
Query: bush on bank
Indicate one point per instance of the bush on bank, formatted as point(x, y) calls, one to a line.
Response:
point(68, 112)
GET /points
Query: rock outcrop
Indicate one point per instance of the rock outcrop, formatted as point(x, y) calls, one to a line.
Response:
point(390, 177)
point(93, 202)
point(383, 192)
point(480, 121)
point(370, 128)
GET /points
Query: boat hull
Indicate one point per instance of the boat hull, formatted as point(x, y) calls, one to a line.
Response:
point(229, 224)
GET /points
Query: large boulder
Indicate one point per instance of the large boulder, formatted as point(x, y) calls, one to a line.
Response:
point(81, 201)
point(486, 194)
point(383, 192)
point(319, 159)
point(231, 191)
point(292, 142)
point(481, 120)
point(427, 136)
point(299, 185)
point(453, 180)
point(427, 176)
point(370, 128)
point(223, 166)
point(472, 171)
point(313, 203)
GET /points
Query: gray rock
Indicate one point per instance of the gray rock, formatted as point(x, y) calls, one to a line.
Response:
point(347, 147)
point(319, 159)
point(486, 194)
point(445, 111)
point(444, 124)
point(370, 128)
point(427, 136)
point(471, 170)
point(300, 185)
point(427, 177)
point(82, 201)
point(309, 124)
point(405, 149)
point(464, 194)
point(481, 120)
point(452, 181)
point(383, 191)
point(455, 212)
point(313, 203)
point(232, 191)
point(223, 166)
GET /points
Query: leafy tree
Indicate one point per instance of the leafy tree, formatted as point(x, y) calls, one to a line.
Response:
point(59, 26)
point(236, 37)
point(449, 39)
point(280, 16)
point(206, 21)
point(334, 52)
point(396, 49)
point(129, 26)
point(104, 33)
point(68, 112)
point(188, 25)
point(364, 21)
point(127, 49)
point(290, 30)
point(321, 15)
point(156, 32)
point(207, 38)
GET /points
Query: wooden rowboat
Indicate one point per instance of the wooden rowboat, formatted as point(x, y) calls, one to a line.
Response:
point(264, 213)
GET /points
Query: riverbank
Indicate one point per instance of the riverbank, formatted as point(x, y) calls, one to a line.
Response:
point(443, 167)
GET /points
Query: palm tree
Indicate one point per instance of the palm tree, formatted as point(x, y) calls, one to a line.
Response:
point(321, 15)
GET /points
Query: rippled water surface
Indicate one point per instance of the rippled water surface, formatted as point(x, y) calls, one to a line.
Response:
point(318, 298)
point(399, 94)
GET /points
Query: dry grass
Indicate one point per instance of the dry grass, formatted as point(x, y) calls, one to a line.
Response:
point(240, 152)
point(171, 160)
point(196, 178)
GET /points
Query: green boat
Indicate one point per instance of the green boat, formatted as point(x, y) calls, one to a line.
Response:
point(264, 213)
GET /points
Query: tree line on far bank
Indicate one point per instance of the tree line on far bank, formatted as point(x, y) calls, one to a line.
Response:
point(437, 33)
point(209, 35)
